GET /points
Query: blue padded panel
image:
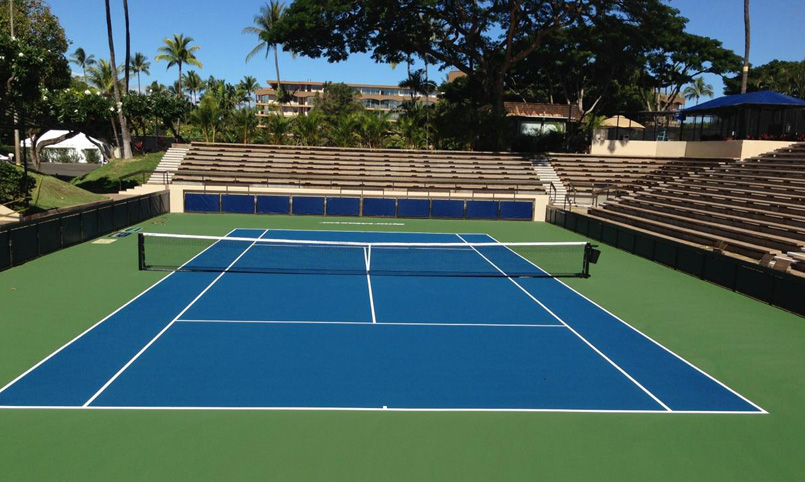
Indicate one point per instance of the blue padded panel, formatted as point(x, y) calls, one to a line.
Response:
point(273, 204)
point(202, 203)
point(413, 208)
point(482, 209)
point(237, 203)
point(516, 210)
point(308, 205)
point(343, 206)
point(448, 208)
point(379, 207)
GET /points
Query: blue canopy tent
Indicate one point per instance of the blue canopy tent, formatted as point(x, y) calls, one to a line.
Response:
point(754, 115)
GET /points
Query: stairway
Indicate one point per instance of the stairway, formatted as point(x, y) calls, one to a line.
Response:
point(549, 178)
point(163, 174)
point(169, 164)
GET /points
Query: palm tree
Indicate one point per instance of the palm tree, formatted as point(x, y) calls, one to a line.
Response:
point(306, 129)
point(155, 88)
point(124, 128)
point(81, 59)
point(269, 15)
point(419, 83)
point(745, 69)
point(102, 77)
point(193, 84)
point(249, 86)
point(178, 51)
point(374, 127)
point(138, 65)
point(128, 45)
point(698, 89)
point(245, 123)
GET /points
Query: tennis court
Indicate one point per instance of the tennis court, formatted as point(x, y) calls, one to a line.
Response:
point(368, 321)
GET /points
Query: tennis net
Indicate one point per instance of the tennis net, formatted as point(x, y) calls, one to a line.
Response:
point(176, 252)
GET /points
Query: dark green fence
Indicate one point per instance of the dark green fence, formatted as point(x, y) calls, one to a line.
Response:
point(777, 288)
point(49, 232)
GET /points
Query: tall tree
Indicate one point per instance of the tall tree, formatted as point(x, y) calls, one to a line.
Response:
point(82, 60)
point(745, 68)
point(249, 86)
point(102, 77)
point(193, 84)
point(264, 22)
point(698, 89)
point(124, 128)
point(178, 51)
point(128, 43)
point(419, 84)
point(482, 39)
point(140, 64)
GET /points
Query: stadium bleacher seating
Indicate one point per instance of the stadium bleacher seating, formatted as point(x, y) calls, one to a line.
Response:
point(363, 169)
point(585, 174)
point(754, 208)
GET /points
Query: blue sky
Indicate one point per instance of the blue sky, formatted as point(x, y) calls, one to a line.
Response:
point(216, 26)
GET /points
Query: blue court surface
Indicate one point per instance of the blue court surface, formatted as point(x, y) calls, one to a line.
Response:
point(234, 340)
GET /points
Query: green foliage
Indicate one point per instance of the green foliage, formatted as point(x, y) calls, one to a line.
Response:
point(778, 75)
point(337, 100)
point(462, 117)
point(11, 184)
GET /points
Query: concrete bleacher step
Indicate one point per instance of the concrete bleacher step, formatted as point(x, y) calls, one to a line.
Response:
point(549, 177)
point(769, 241)
point(168, 165)
point(748, 250)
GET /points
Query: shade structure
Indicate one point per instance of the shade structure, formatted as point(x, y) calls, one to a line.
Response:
point(621, 122)
point(764, 98)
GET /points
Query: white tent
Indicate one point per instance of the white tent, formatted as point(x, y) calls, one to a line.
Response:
point(79, 144)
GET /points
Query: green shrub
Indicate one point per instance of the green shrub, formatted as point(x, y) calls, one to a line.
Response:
point(93, 156)
point(11, 183)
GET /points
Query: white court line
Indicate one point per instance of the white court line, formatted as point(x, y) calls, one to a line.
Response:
point(641, 333)
point(120, 372)
point(12, 382)
point(379, 409)
point(364, 231)
point(367, 256)
point(626, 374)
point(393, 323)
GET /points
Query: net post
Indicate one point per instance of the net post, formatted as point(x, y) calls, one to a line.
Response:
point(141, 250)
point(588, 251)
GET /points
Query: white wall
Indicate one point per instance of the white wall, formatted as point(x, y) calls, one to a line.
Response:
point(708, 149)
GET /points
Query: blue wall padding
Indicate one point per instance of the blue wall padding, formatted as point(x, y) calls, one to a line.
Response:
point(482, 209)
point(343, 206)
point(308, 205)
point(516, 210)
point(237, 203)
point(413, 208)
point(273, 204)
point(201, 203)
point(448, 208)
point(379, 207)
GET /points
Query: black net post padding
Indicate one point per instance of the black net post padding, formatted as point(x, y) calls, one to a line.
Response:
point(141, 251)
point(591, 255)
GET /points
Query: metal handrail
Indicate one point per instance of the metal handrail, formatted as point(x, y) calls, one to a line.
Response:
point(143, 173)
point(552, 194)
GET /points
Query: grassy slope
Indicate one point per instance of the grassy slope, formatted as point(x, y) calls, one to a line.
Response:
point(105, 178)
point(53, 193)
point(755, 349)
